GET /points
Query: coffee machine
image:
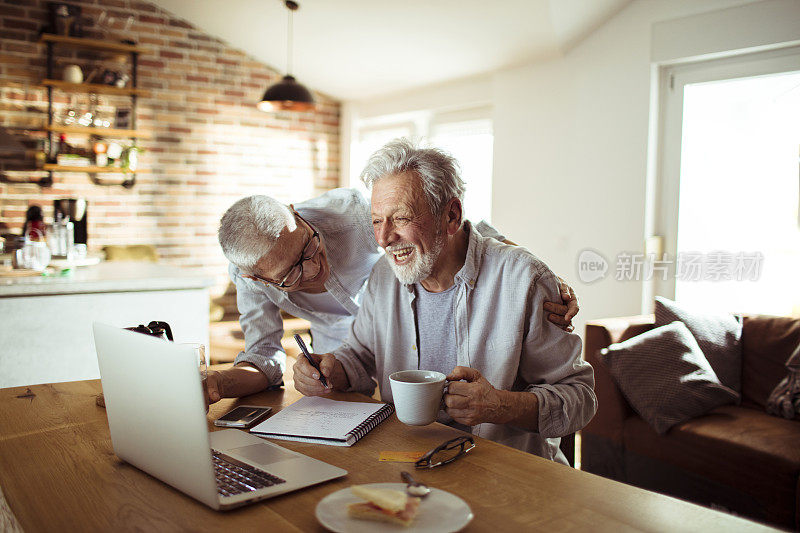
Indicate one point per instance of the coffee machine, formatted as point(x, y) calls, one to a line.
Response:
point(76, 210)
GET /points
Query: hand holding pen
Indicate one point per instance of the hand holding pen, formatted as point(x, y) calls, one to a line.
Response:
point(310, 359)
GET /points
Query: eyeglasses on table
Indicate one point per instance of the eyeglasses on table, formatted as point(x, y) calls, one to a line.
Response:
point(446, 452)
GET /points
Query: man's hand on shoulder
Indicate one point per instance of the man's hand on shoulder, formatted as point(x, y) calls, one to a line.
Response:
point(306, 377)
point(561, 314)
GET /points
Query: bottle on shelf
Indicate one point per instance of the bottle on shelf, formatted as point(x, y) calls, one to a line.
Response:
point(62, 146)
point(41, 153)
point(101, 154)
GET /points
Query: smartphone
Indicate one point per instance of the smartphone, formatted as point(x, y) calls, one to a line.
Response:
point(243, 416)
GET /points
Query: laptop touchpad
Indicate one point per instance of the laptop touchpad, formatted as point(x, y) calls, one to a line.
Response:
point(263, 454)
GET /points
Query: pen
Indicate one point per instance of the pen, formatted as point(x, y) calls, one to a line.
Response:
point(310, 359)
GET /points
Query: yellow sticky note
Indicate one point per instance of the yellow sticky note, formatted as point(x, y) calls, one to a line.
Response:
point(400, 457)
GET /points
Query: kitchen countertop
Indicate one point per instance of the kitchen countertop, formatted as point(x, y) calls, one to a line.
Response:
point(110, 276)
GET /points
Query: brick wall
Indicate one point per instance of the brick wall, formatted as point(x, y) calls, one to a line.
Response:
point(210, 145)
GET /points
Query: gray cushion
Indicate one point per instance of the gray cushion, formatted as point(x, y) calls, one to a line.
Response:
point(665, 376)
point(719, 336)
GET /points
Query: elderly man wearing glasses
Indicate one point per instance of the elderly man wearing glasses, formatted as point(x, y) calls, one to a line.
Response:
point(445, 298)
point(311, 260)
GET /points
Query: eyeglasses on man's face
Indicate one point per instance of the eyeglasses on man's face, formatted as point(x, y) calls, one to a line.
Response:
point(447, 452)
point(295, 273)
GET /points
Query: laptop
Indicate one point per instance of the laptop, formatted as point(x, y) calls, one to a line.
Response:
point(158, 423)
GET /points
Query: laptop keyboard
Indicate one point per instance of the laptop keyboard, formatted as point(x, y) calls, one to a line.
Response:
point(236, 477)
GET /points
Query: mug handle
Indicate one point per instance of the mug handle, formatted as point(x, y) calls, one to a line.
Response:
point(442, 406)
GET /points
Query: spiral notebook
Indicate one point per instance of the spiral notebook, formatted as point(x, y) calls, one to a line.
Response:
point(324, 421)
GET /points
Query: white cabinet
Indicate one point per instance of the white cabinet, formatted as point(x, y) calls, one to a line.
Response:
point(46, 323)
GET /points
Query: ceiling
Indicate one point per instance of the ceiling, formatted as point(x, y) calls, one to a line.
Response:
point(357, 49)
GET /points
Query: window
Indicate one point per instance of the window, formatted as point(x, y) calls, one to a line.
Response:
point(466, 134)
point(730, 183)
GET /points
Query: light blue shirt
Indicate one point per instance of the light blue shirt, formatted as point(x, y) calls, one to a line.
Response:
point(501, 330)
point(343, 218)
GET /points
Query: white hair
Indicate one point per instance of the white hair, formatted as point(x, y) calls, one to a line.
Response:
point(250, 227)
point(437, 170)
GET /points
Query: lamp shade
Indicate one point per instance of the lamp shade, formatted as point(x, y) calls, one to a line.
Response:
point(286, 95)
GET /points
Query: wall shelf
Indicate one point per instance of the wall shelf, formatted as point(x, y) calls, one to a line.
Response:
point(95, 88)
point(101, 132)
point(92, 44)
point(131, 92)
point(92, 169)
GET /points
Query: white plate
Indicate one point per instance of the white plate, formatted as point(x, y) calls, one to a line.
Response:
point(439, 512)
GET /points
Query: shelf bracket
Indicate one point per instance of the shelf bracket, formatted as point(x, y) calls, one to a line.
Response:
point(44, 182)
point(128, 182)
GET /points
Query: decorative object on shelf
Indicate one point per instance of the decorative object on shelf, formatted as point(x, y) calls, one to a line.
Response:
point(104, 22)
point(109, 77)
point(122, 118)
point(114, 153)
point(73, 74)
point(72, 160)
point(115, 78)
point(100, 155)
point(41, 153)
point(65, 19)
point(86, 119)
point(122, 80)
point(287, 94)
point(130, 158)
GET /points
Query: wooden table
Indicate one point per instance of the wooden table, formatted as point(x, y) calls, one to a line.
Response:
point(59, 473)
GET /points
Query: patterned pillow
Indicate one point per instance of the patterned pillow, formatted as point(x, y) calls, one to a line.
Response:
point(719, 336)
point(665, 376)
point(785, 398)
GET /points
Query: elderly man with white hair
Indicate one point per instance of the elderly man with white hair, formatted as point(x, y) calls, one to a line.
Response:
point(445, 298)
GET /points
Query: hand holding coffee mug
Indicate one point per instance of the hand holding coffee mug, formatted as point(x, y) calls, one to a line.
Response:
point(417, 395)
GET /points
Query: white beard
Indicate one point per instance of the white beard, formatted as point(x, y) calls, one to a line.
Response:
point(420, 267)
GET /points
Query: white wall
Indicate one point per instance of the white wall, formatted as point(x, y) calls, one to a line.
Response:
point(571, 144)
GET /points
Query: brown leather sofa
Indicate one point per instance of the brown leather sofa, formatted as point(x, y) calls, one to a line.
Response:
point(736, 458)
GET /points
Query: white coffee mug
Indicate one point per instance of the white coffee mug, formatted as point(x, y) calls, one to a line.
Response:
point(417, 395)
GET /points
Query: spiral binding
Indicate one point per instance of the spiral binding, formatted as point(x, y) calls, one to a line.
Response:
point(369, 424)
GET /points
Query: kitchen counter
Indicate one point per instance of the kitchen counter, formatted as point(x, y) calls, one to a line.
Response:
point(114, 276)
point(46, 323)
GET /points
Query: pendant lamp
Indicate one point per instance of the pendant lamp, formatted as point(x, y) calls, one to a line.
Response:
point(287, 94)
